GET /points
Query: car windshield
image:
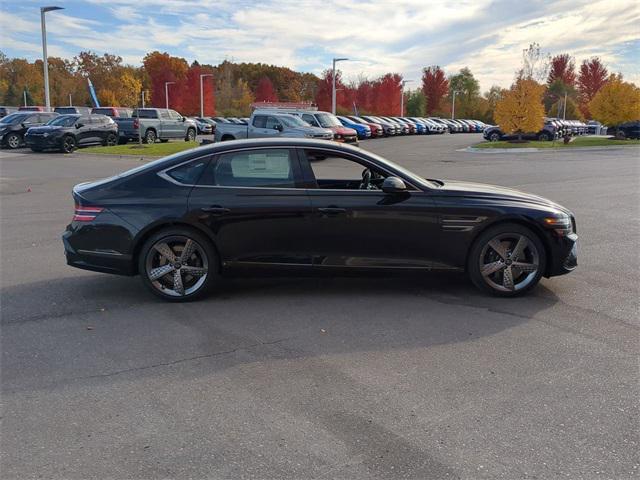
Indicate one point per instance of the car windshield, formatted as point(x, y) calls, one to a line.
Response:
point(63, 121)
point(327, 120)
point(293, 121)
point(15, 118)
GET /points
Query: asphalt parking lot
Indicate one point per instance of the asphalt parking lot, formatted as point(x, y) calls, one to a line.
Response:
point(415, 376)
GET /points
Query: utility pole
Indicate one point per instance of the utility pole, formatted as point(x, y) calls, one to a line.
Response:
point(70, 102)
point(564, 107)
point(43, 26)
point(166, 93)
point(402, 84)
point(453, 106)
point(201, 92)
point(333, 88)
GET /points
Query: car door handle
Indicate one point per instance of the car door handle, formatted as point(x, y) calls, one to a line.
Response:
point(332, 210)
point(215, 210)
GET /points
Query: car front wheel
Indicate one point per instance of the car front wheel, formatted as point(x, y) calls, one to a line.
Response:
point(178, 264)
point(494, 137)
point(507, 260)
point(13, 140)
point(191, 135)
point(68, 144)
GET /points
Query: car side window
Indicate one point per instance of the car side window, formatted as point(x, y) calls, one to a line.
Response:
point(264, 168)
point(84, 120)
point(174, 115)
point(189, 173)
point(272, 122)
point(310, 119)
point(333, 171)
point(260, 121)
point(164, 114)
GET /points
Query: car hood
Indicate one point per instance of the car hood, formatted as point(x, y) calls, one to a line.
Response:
point(482, 190)
point(343, 130)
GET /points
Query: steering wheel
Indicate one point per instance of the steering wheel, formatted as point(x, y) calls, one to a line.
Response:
point(366, 179)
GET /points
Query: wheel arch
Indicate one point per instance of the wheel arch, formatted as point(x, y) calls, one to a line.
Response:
point(521, 220)
point(145, 234)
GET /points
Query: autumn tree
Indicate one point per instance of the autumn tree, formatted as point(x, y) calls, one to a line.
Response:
point(265, 91)
point(591, 78)
point(324, 90)
point(616, 102)
point(435, 87)
point(562, 68)
point(520, 110)
point(162, 68)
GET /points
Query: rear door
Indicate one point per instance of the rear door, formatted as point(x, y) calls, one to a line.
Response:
point(85, 130)
point(166, 125)
point(253, 203)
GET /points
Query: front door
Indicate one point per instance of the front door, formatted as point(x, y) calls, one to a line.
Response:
point(355, 224)
point(253, 204)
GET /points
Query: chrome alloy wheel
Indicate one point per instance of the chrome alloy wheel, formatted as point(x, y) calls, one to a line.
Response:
point(177, 266)
point(509, 262)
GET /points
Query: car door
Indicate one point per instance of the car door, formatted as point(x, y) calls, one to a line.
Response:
point(166, 125)
point(253, 203)
point(353, 227)
point(178, 125)
point(85, 132)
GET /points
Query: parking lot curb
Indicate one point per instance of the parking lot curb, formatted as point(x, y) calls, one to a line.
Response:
point(543, 150)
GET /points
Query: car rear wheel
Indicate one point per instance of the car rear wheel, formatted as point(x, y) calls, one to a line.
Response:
point(178, 264)
point(68, 144)
point(507, 260)
point(150, 137)
point(111, 140)
point(13, 140)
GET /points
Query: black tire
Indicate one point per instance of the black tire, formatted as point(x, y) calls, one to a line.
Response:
point(150, 137)
point(506, 236)
point(191, 135)
point(494, 137)
point(111, 140)
point(13, 141)
point(227, 138)
point(620, 135)
point(203, 257)
point(543, 137)
point(68, 144)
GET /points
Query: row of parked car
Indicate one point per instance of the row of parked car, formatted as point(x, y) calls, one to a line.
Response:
point(61, 130)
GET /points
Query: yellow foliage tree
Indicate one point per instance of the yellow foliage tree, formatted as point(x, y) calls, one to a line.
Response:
point(129, 90)
point(616, 102)
point(520, 110)
point(108, 98)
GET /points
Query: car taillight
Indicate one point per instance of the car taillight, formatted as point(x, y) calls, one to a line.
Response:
point(136, 123)
point(85, 213)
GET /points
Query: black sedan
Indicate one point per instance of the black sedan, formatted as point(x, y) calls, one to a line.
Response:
point(68, 132)
point(184, 221)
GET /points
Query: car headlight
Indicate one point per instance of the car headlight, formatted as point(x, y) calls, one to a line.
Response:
point(308, 135)
point(560, 222)
point(337, 135)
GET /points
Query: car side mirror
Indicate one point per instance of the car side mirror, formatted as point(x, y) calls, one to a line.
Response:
point(393, 185)
point(277, 127)
point(184, 119)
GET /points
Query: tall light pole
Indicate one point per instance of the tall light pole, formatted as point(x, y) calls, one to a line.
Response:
point(333, 88)
point(43, 25)
point(402, 84)
point(166, 93)
point(453, 106)
point(202, 75)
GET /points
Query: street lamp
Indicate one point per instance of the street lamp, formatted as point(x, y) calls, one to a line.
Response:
point(402, 84)
point(202, 75)
point(333, 88)
point(166, 93)
point(44, 10)
point(453, 106)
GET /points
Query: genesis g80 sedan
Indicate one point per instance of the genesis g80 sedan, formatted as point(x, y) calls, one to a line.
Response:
point(184, 221)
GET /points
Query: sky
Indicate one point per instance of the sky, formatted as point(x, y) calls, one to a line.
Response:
point(400, 36)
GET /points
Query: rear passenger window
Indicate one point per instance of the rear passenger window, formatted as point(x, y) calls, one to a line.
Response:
point(189, 173)
point(268, 168)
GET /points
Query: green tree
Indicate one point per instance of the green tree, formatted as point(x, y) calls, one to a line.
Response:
point(467, 90)
point(416, 103)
